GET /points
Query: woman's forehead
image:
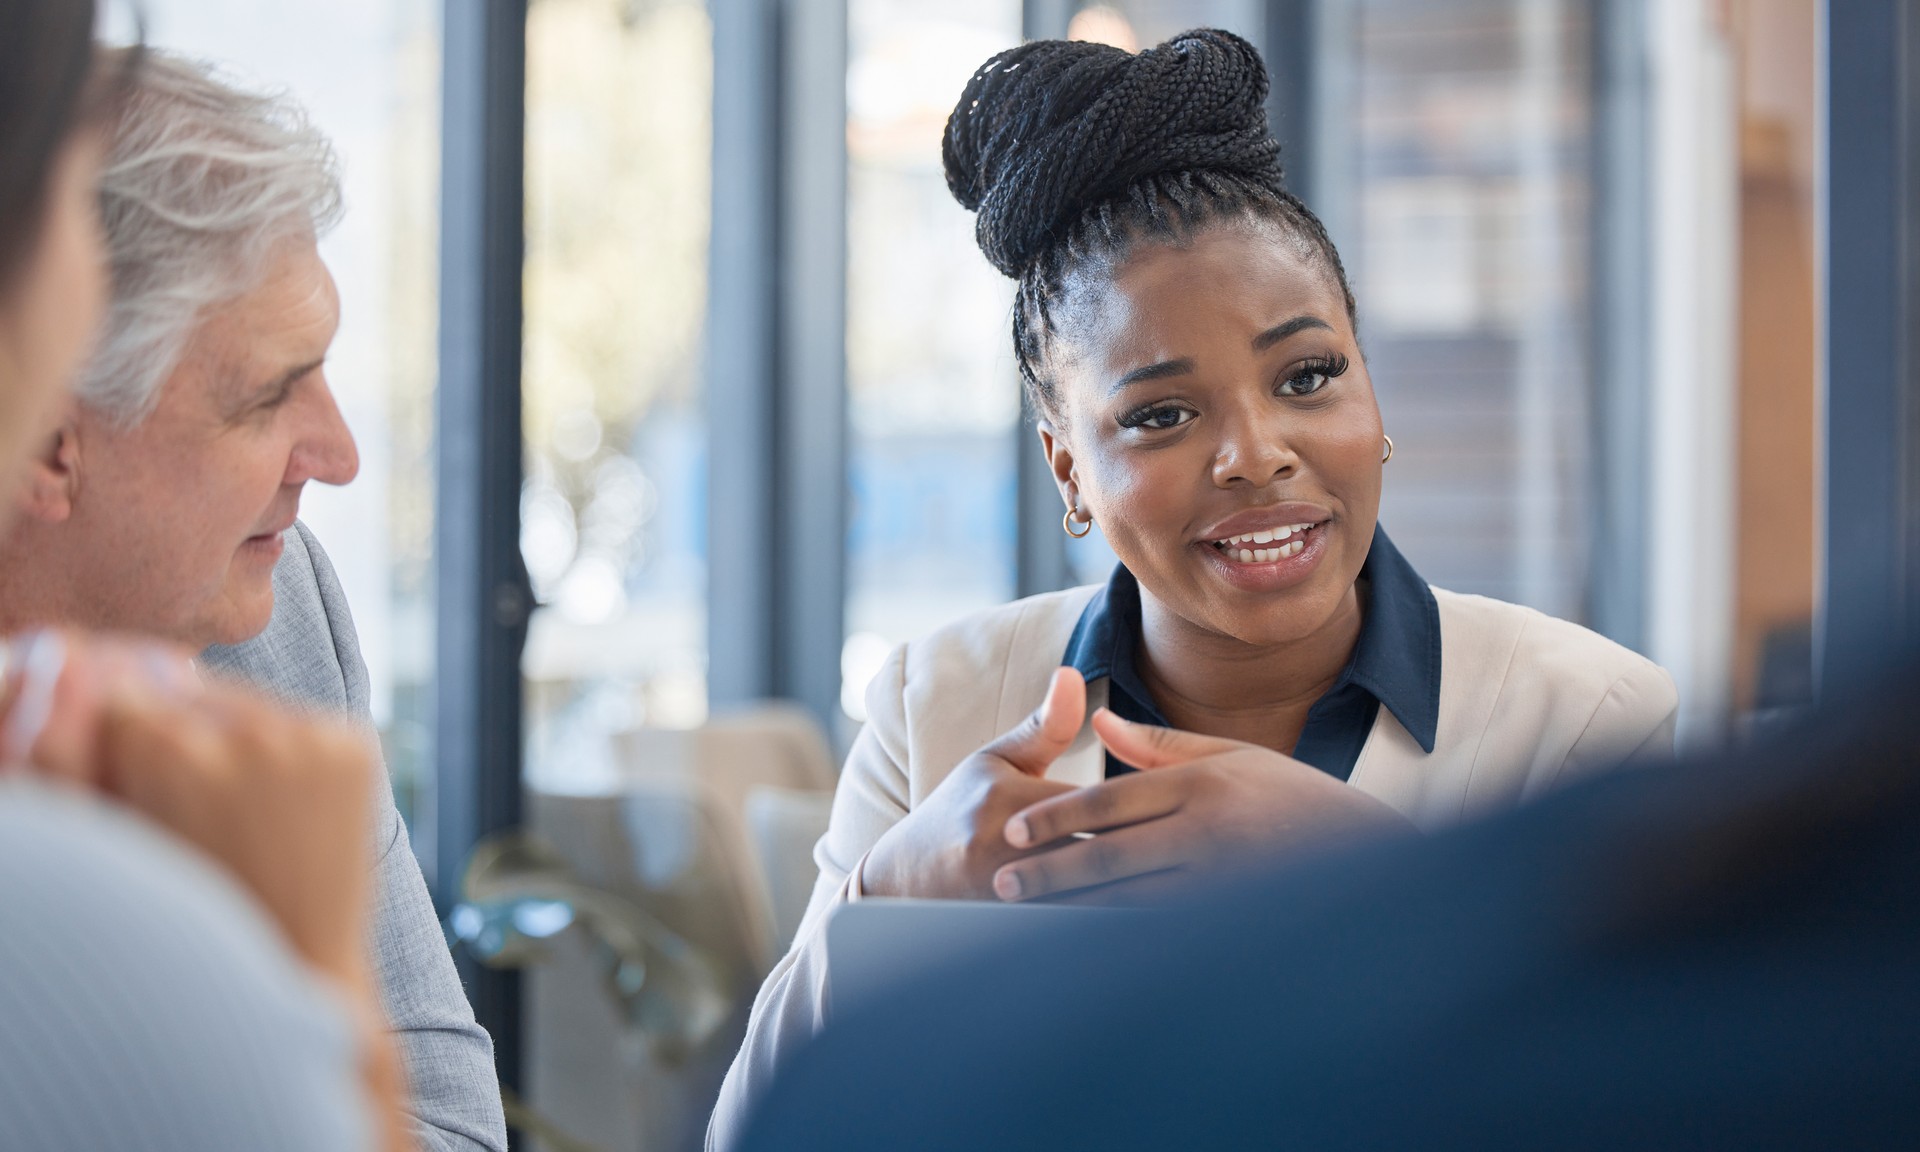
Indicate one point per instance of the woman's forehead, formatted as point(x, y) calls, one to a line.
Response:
point(1231, 283)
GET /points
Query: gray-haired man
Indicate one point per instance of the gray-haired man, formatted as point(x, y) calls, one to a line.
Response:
point(167, 503)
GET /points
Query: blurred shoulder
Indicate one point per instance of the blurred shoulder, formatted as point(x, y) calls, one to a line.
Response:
point(123, 950)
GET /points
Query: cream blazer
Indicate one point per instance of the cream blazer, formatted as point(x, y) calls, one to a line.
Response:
point(1527, 702)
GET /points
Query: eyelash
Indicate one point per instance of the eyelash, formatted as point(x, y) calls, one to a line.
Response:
point(1325, 370)
point(1139, 417)
point(269, 404)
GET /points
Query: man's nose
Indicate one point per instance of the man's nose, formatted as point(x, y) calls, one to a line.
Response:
point(325, 451)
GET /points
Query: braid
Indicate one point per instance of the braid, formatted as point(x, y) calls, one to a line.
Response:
point(1069, 153)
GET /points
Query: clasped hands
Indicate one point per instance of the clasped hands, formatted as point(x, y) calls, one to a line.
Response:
point(281, 800)
point(1200, 805)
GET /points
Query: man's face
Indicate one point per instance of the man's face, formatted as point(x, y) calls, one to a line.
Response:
point(182, 515)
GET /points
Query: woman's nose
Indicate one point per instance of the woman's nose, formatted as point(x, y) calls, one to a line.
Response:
point(1254, 452)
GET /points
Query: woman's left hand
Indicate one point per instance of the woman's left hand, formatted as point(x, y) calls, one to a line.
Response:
point(1198, 805)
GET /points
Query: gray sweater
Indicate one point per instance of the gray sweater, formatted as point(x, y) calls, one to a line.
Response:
point(309, 656)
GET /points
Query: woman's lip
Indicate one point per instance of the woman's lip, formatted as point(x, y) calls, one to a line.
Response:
point(1270, 575)
point(1265, 520)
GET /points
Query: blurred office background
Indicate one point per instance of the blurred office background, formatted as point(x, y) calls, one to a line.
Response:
point(677, 374)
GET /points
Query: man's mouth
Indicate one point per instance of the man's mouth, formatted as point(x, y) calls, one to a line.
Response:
point(1266, 546)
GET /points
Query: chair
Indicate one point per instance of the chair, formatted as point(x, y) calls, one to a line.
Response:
point(708, 834)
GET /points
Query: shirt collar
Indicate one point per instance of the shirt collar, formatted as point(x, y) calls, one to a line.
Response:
point(1396, 659)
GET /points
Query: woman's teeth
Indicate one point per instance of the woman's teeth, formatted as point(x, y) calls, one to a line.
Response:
point(1246, 548)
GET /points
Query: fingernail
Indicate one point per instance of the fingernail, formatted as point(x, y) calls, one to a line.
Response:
point(1018, 834)
point(168, 675)
point(1007, 886)
point(42, 658)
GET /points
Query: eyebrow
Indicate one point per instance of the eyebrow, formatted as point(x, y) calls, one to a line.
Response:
point(292, 376)
point(1280, 332)
point(1158, 371)
point(1183, 366)
point(278, 387)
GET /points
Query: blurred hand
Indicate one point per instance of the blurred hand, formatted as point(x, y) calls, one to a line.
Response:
point(283, 801)
point(57, 685)
point(952, 842)
point(1199, 805)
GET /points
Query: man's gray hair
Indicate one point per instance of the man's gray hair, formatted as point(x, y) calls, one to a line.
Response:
point(203, 178)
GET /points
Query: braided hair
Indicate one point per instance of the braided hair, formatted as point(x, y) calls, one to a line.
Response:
point(1070, 152)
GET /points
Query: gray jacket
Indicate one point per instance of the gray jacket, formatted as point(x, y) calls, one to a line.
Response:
point(309, 656)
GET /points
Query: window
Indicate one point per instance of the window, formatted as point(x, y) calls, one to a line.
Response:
point(1137, 24)
point(613, 512)
point(934, 395)
point(1456, 143)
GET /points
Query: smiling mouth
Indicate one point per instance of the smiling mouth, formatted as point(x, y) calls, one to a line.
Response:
point(1266, 546)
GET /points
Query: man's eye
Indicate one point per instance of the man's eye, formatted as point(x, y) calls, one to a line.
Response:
point(1165, 416)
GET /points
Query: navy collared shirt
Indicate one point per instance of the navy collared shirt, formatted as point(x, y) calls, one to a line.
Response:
point(1395, 662)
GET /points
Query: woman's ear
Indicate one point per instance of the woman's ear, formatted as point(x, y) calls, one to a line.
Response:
point(53, 479)
point(1059, 459)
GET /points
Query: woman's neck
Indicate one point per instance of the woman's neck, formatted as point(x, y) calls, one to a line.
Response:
point(1213, 684)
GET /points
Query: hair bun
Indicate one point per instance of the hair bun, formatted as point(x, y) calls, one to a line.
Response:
point(1051, 128)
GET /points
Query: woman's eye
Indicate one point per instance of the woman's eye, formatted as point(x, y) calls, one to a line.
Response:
point(1312, 376)
point(1305, 383)
point(1159, 418)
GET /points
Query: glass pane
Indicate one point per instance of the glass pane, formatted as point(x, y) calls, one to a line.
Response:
point(369, 75)
point(614, 508)
point(1137, 24)
point(1466, 132)
point(934, 394)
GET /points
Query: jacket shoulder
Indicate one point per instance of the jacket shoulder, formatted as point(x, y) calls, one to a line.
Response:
point(967, 681)
point(1033, 630)
point(1570, 677)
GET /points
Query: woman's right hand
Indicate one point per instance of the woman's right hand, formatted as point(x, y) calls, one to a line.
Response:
point(951, 844)
point(56, 685)
point(283, 801)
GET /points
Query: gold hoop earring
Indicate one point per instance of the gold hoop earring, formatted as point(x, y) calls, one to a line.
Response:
point(1067, 521)
point(1389, 454)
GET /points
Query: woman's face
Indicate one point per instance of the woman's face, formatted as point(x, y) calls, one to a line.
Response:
point(1220, 426)
point(49, 310)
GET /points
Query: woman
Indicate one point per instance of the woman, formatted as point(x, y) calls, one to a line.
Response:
point(148, 1003)
point(1263, 652)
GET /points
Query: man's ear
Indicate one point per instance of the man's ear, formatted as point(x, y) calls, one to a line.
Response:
point(1059, 459)
point(53, 480)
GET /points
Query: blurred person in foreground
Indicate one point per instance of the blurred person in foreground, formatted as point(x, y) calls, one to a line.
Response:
point(1190, 343)
point(165, 503)
point(185, 909)
point(1721, 954)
